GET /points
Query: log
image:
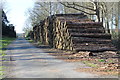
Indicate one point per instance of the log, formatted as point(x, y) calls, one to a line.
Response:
point(88, 30)
point(73, 32)
point(85, 24)
point(97, 41)
point(95, 49)
point(92, 35)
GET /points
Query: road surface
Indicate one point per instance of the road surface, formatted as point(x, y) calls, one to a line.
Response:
point(24, 60)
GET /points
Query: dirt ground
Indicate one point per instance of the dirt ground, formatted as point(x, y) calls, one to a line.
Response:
point(102, 63)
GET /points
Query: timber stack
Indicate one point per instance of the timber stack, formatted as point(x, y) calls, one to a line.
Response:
point(73, 32)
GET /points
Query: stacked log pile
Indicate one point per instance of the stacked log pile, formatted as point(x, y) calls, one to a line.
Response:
point(73, 32)
point(90, 36)
point(62, 39)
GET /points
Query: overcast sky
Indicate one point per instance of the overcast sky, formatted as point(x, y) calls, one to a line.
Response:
point(16, 12)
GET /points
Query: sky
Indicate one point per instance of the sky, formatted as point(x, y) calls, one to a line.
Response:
point(16, 10)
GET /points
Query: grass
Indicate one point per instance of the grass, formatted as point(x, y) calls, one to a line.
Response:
point(101, 60)
point(32, 41)
point(90, 64)
point(4, 42)
point(28, 39)
point(40, 43)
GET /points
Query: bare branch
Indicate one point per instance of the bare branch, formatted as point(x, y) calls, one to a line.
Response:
point(77, 9)
point(84, 7)
point(43, 7)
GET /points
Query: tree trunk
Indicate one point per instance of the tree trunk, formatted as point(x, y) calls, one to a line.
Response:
point(108, 30)
point(102, 17)
point(118, 17)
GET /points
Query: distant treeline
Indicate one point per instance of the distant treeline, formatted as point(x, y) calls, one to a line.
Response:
point(7, 29)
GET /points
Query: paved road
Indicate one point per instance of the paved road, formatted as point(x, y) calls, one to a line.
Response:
point(26, 61)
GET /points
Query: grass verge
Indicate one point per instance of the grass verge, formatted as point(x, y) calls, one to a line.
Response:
point(4, 42)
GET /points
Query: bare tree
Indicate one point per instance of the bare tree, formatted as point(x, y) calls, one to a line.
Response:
point(94, 10)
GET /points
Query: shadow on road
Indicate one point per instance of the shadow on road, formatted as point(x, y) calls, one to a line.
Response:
point(18, 48)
